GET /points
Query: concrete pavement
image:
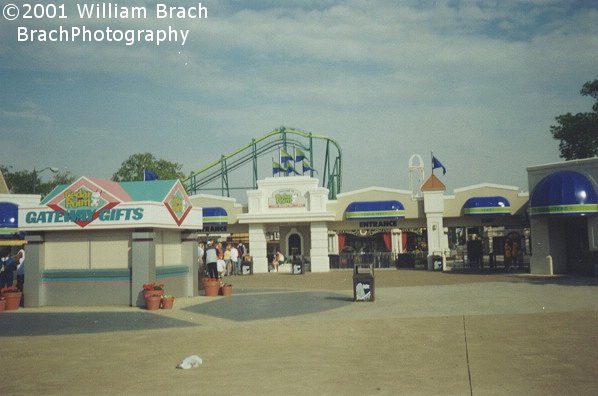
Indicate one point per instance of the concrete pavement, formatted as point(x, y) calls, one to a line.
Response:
point(427, 333)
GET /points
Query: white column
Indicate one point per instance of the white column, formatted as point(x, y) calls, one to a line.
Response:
point(396, 240)
point(319, 247)
point(258, 248)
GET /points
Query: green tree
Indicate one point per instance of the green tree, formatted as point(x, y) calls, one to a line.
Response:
point(29, 182)
point(578, 133)
point(132, 169)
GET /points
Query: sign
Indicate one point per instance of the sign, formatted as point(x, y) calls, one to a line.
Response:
point(287, 198)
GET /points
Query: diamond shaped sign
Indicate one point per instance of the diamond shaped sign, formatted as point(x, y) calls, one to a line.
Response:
point(82, 202)
point(178, 204)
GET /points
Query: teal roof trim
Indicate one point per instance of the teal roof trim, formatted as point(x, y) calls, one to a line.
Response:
point(155, 190)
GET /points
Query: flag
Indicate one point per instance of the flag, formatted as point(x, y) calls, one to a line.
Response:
point(277, 168)
point(291, 169)
point(299, 155)
point(284, 156)
point(149, 175)
point(437, 164)
point(307, 166)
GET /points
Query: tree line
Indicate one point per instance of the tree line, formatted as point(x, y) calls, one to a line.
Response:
point(132, 169)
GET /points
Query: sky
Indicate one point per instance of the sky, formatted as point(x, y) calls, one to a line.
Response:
point(478, 83)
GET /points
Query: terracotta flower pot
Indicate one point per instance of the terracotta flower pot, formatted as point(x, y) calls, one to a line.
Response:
point(12, 300)
point(211, 287)
point(152, 303)
point(159, 293)
point(227, 290)
point(167, 302)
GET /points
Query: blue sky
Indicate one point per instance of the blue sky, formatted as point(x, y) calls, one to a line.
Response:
point(477, 82)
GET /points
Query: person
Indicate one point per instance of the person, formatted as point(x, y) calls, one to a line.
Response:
point(278, 259)
point(228, 264)
point(220, 264)
point(234, 258)
point(8, 266)
point(508, 255)
point(20, 257)
point(211, 257)
point(241, 250)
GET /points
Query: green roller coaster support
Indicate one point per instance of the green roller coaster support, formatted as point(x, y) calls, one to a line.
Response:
point(270, 142)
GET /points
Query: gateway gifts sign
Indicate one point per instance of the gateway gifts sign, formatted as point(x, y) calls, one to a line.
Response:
point(96, 203)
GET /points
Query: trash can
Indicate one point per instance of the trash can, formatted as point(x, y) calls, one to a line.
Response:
point(363, 282)
point(247, 266)
point(297, 266)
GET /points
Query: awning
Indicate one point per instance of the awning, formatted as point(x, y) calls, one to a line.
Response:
point(9, 218)
point(487, 206)
point(375, 210)
point(564, 193)
point(215, 215)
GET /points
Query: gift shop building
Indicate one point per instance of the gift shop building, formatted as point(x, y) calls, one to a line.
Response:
point(96, 242)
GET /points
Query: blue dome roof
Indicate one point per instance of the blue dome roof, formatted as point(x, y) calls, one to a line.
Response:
point(215, 216)
point(487, 206)
point(564, 193)
point(375, 210)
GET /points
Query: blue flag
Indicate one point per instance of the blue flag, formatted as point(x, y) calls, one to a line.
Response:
point(299, 155)
point(438, 164)
point(284, 156)
point(149, 175)
point(307, 166)
point(277, 168)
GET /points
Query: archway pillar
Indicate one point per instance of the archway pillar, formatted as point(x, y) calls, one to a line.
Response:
point(258, 248)
point(319, 247)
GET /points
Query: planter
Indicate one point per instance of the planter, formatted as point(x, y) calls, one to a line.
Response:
point(226, 290)
point(12, 300)
point(159, 293)
point(167, 302)
point(152, 303)
point(211, 287)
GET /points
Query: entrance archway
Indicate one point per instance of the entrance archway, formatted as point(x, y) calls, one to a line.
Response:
point(294, 244)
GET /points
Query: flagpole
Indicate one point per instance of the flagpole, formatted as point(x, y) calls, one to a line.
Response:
point(432, 161)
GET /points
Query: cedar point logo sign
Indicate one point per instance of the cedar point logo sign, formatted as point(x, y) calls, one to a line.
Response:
point(83, 203)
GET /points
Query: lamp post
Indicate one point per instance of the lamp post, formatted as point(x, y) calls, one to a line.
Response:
point(36, 172)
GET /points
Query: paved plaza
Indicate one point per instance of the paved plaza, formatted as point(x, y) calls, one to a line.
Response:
point(427, 333)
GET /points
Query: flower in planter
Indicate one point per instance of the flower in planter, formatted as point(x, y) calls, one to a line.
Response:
point(153, 286)
point(167, 296)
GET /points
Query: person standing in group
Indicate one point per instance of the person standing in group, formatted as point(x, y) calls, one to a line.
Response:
point(234, 258)
point(20, 257)
point(228, 264)
point(241, 250)
point(8, 265)
point(211, 258)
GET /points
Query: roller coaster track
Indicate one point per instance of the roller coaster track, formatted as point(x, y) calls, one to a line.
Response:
point(219, 170)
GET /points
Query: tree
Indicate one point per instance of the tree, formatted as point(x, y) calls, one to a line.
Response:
point(578, 133)
point(132, 169)
point(29, 182)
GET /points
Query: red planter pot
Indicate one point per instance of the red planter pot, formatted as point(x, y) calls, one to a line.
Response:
point(226, 290)
point(152, 303)
point(13, 300)
point(211, 287)
point(167, 303)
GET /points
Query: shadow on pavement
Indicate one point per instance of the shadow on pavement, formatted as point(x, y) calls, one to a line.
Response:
point(270, 305)
point(42, 324)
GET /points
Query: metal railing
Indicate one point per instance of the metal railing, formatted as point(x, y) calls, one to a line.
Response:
point(349, 260)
